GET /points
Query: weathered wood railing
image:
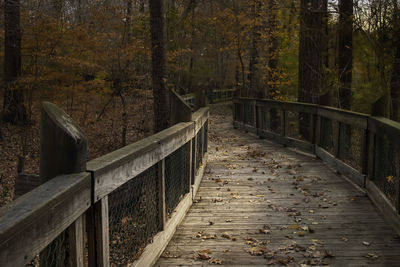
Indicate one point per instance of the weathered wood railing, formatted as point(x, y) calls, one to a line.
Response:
point(217, 95)
point(122, 210)
point(364, 148)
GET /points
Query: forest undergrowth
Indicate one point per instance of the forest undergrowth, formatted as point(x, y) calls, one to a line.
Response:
point(104, 130)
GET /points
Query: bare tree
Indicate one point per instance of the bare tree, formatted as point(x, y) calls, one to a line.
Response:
point(345, 49)
point(13, 106)
point(159, 64)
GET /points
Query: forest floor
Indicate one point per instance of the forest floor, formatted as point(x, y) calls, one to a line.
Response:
point(104, 133)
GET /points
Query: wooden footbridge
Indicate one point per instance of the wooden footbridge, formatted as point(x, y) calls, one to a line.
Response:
point(279, 184)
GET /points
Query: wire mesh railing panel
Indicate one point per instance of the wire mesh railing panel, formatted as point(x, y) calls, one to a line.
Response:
point(176, 178)
point(327, 135)
point(265, 118)
point(275, 116)
point(133, 217)
point(249, 114)
point(199, 144)
point(238, 112)
point(299, 126)
point(387, 168)
point(56, 254)
point(350, 145)
point(205, 141)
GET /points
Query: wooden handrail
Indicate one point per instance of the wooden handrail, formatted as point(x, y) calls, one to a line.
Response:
point(34, 220)
point(371, 127)
point(31, 222)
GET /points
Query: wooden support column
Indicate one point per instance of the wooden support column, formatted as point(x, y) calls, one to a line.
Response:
point(338, 137)
point(63, 150)
point(161, 194)
point(194, 156)
point(371, 156)
point(98, 234)
point(284, 122)
point(316, 130)
point(189, 164)
point(254, 114)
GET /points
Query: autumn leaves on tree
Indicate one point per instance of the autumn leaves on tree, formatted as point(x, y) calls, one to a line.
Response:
point(282, 50)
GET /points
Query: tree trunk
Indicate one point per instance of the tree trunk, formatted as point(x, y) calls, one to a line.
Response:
point(345, 52)
point(159, 64)
point(310, 46)
point(13, 106)
point(273, 49)
point(395, 81)
point(310, 58)
point(254, 72)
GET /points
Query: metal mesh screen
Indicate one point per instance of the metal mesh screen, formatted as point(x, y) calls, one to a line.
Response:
point(275, 116)
point(327, 135)
point(55, 254)
point(248, 114)
point(299, 125)
point(238, 112)
point(264, 118)
point(205, 141)
point(133, 217)
point(199, 145)
point(176, 177)
point(387, 168)
point(350, 145)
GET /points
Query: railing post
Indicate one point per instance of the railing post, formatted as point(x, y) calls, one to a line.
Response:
point(189, 163)
point(316, 130)
point(63, 150)
point(337, 143)
point(98, 234)
point(284, 122)
point(161, 194)
point(254, 114)
point(194, 155)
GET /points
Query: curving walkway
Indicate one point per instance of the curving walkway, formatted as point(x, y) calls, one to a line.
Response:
point(262, 204)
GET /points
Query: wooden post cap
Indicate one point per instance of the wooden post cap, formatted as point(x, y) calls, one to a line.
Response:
point(63, 146)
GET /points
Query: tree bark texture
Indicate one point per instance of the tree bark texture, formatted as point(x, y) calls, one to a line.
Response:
point(395, 81)
point(310, 50)
point(345, 52)
point(13, 105)
point(254, 68)
point(159, 64)
point(273, 48)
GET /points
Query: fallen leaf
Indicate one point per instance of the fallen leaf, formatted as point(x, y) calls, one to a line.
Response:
point(215, 261)
point(293, 227)
point(327, 254)
point(345, 239)
point(371, 256)
point(365, 243)
point(204, 256)
point(226, 235)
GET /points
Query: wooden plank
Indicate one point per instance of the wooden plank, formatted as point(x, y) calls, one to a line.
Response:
point(354, 119)
point(383, 126)
point(341, 167)
point(76, 243)
point(31, 222)
point(387, 210)
point(189, 164)
point(153, 251)
point(102, 233)
point(265, 178)
point(199, 118)
point(116, 168)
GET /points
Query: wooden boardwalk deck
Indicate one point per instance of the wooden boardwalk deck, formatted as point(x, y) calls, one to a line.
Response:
point(262, 204)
